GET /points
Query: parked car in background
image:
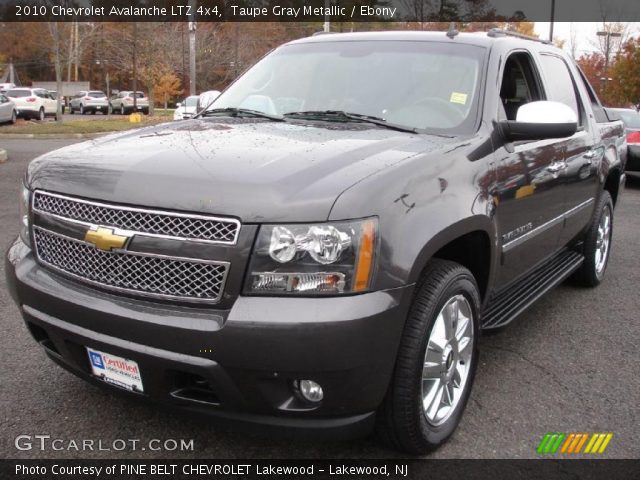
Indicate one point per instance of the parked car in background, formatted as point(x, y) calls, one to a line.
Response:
point(63, 100)
point(6, 86)
point(207, 98)
point(631, 120)
point(7, 110)
point(91, 101)
point(122, 103)
point(33, 102)
point(186, 108)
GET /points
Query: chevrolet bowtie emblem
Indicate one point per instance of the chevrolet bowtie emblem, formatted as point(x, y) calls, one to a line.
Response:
point(105, 239)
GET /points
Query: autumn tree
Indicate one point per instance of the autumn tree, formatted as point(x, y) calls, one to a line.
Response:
point(168, 86)
point(625, 74)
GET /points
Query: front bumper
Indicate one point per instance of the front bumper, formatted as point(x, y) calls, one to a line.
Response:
point(235, 365)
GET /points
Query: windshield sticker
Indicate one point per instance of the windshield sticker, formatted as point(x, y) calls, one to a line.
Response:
point(457, 97)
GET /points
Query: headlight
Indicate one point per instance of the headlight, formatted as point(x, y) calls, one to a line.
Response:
point(24, 214)
point(318, 259)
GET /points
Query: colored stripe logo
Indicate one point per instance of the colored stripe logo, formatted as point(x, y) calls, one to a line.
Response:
point(572, 443)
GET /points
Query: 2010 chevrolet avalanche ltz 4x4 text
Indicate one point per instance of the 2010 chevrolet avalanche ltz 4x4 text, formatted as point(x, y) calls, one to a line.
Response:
point(320, 248)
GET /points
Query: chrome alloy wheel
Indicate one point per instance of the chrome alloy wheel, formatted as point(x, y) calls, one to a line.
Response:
point(603, 241)
point(447, 360)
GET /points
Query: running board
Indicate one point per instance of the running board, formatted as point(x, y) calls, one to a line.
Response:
point(510, 303)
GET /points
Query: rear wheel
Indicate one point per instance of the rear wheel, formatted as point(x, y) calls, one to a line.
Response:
point(436, 361)
point(597, 244)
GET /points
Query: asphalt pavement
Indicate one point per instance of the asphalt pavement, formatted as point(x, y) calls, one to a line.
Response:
point(569, 364)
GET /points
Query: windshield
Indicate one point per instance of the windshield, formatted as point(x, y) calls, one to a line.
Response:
point(631, 119)
point(191, 101)
point(425, 85)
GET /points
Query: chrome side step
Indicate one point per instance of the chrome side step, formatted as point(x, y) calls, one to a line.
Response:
point(510, 303)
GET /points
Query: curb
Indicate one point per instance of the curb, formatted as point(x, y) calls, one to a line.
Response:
point(19, 136)
point(3, 155)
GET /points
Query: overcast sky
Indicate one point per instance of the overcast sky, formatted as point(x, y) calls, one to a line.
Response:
point(585, 33)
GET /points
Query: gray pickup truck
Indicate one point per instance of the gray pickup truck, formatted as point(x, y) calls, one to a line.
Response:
point(320, 249)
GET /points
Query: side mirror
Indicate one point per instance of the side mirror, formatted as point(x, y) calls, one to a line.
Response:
point(540, 120)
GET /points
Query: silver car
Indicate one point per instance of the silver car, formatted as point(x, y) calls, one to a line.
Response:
point(123, 102)
point(7, 110)
point(89, 101)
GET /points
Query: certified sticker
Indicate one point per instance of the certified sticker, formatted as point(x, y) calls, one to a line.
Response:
point(457, 97)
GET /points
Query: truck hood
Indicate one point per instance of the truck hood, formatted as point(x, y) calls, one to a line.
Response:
point(256, 170)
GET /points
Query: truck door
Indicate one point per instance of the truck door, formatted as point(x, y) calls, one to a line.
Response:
point(529, 199)
point(583, 150)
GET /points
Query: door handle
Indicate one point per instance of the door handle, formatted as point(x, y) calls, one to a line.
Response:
point(556, 167)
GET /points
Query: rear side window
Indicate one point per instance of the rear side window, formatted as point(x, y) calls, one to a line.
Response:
point(18, 93)
point(560, 82)
point(598, 111)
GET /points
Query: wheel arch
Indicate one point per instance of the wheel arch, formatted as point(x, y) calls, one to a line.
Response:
point(469, 243)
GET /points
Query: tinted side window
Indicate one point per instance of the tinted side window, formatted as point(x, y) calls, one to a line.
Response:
point(520, 85)
point(598, 110)
point(560, 82)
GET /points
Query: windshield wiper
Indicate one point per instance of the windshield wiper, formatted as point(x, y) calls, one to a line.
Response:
point(237, 112)
point(358, 117)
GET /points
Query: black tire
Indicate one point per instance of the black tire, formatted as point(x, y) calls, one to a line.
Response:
point(401, 420)
point(93, 112)
point(145, 111)
point(591, 273)
point(41, 115)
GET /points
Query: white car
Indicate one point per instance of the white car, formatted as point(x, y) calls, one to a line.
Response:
point(89, 101)
point(186, 108)
point(33, 102)
point(6, 86)
point(207, 98)
point(7, 110)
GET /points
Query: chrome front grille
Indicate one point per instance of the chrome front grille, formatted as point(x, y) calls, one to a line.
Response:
point(137, 220)
point(157, 276)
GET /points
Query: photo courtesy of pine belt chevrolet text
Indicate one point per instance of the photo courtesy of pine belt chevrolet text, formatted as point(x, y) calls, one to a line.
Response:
point(318, 250)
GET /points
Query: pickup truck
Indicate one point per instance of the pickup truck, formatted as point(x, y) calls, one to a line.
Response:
point(319, 250)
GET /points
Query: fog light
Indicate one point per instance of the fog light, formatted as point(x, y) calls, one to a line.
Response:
point(310, 390)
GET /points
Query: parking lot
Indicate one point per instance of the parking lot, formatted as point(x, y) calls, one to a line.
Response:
point(569, 364)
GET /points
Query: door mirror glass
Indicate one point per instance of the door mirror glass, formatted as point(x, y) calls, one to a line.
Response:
point(540, 120)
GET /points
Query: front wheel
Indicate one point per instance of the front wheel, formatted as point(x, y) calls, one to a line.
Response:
point(436, 361)
point(597, 244)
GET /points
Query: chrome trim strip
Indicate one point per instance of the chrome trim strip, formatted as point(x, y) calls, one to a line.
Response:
point(580, 206)
point(140, 210)
point(545, 226)
point(80, 278)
